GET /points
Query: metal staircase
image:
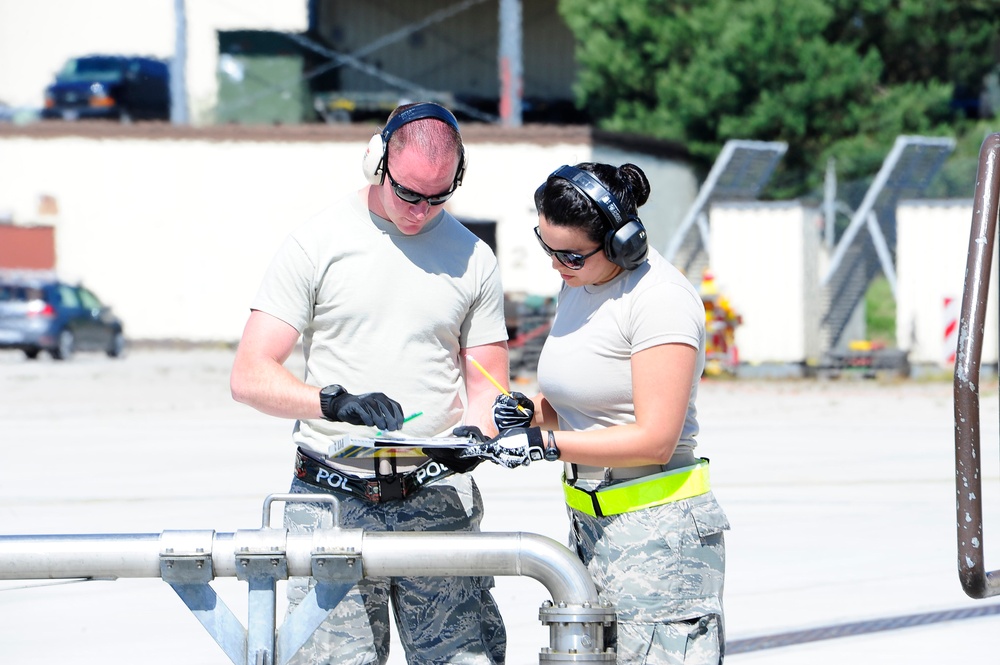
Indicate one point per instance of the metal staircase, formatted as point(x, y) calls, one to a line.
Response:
point(845, 291)
point(868, 245)
point(739, 174)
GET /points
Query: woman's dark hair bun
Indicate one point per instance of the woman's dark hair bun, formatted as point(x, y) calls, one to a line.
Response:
point(637, 181)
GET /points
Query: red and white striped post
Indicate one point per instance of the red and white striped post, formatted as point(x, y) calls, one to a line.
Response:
point(950, 320)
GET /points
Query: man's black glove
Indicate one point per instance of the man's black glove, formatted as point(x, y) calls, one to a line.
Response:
point(449, 457)
point(371, 409)
point(506, 415)
point(511, 448)
point(469, 431)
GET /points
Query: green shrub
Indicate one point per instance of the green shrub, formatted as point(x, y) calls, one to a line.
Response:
point(880, 312)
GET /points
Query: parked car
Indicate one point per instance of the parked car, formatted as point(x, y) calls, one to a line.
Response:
point(110, 86)
point(46, 314)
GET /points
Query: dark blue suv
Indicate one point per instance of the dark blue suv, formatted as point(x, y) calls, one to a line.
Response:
point(42, 313)
point(110, 86)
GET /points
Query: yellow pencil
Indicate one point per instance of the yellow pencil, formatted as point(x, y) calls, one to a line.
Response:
point(482, 370)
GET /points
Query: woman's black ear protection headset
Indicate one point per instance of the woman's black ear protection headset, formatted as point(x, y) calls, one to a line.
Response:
point(625, 244)
point(374, 161)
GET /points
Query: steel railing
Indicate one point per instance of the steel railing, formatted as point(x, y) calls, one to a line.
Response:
point(976, 580)
point(336, 558)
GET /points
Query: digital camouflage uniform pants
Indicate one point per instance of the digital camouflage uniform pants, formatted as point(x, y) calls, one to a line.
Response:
point(662, 569)
point(440, 620)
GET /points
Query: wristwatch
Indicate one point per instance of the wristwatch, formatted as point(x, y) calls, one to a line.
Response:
point(326, 397)
point(551, 449)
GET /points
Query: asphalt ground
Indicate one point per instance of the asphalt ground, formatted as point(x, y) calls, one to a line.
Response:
point(840, 494)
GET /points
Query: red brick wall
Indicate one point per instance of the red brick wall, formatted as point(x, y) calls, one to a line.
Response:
point(27, 247)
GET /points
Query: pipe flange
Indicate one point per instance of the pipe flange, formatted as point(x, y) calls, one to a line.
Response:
point(563, 612)
point(548, 656)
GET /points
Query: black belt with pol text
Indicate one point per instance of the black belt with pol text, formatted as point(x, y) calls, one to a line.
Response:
point(314, 470)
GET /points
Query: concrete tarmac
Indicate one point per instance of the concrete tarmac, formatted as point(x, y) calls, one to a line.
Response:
point(840, 494)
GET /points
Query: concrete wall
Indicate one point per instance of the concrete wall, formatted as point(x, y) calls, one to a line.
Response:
point(765, 258)
point(175, 231)
point(932, 249)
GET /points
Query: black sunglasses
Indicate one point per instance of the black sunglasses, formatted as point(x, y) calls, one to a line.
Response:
point(572, 260)
point(413, 198)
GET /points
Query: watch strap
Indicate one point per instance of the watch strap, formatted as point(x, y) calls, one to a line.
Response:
point(326, 397)
point(551, 449)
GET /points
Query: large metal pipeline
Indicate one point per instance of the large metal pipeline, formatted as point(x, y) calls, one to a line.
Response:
point(112, 556)
point(336, 557)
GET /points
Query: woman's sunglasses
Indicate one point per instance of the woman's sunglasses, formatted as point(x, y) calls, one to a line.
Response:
point(413, 198)
point(572, 260)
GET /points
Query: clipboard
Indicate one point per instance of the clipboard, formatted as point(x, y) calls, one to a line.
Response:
point(392, 446)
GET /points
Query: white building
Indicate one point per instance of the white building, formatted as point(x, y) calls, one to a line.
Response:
point(932, 249)
point(174, 227)
point(37, 37)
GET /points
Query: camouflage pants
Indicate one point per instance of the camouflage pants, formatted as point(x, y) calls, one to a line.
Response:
point(663, 569)
point(440, 620)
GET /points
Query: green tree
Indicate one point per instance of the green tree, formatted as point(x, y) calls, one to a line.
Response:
point(837, 78)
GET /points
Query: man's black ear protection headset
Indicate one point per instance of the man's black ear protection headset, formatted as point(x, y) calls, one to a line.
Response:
point(376, 155)
point(625, 244)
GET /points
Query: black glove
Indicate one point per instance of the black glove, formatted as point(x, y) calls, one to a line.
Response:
point(449, 457)
point(511, 448)
point(506, 414)
point(469, 431)
point(371, 409)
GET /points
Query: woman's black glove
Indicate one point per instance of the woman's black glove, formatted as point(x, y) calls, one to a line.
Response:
point(451, 457)
point(506, 413)
point(511, 448)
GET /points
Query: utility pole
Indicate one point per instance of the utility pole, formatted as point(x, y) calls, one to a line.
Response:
point(511, 67)
point(178, 66)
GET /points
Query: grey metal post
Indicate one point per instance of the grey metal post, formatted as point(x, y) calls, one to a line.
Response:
point(178, 66)
point(511, 67)
point(829, 203)
point(261, 562)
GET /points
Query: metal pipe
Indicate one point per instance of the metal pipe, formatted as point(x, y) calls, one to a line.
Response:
point(437, 554)
point(75, 556)
point(976, 581)
point(189, 560)
point(382, 554)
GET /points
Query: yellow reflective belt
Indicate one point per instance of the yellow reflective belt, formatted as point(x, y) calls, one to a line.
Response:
point(640, 493)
